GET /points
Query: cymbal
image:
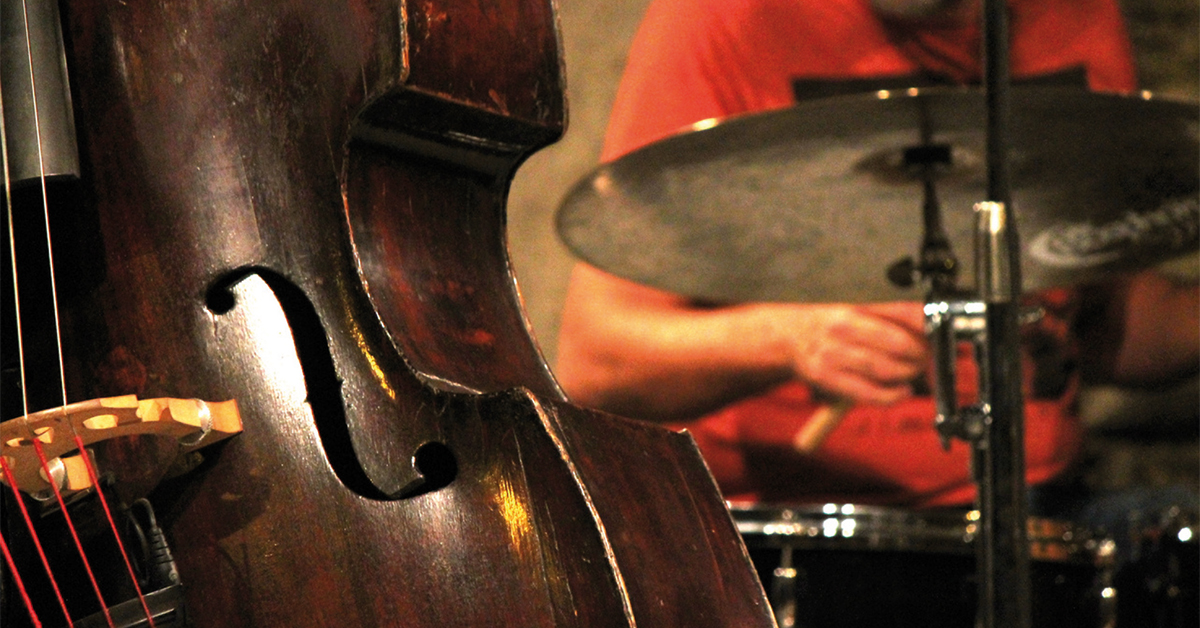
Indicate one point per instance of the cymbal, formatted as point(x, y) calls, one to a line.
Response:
point(815, 202)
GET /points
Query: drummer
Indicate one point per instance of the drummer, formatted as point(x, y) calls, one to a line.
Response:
point(745, 379)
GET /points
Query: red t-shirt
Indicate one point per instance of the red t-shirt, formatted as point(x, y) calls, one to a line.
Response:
point(697, 59)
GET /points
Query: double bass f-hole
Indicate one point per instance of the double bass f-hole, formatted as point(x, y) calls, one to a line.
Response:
point(433, 462)
point(46, 442)
point(300, 205)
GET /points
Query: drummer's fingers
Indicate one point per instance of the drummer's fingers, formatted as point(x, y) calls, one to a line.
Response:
point(878, 366)
point(907, 314)
point(834, 338)
point(883, 335)
point(884, 367)
point(835, 367)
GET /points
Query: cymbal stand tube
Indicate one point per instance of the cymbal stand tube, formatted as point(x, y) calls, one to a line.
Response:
point(1003, 555)
point(1002, 552)
point(999, 461)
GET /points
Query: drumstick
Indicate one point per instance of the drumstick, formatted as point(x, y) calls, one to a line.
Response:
point(822, 422)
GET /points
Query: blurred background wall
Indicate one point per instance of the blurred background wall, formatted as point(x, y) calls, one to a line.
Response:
point(595, 38)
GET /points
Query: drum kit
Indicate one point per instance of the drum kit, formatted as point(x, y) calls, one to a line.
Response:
point(840, 200)
point(853, 565)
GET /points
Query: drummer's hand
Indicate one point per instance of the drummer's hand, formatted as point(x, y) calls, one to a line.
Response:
point(861, 353)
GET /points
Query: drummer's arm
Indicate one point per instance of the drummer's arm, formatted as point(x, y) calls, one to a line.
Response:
point(1155, 321)
point(644, 353)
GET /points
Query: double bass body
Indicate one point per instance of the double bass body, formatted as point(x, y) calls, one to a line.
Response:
point(299, 205)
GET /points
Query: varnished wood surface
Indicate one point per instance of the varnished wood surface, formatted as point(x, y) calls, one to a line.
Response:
point(300, 205)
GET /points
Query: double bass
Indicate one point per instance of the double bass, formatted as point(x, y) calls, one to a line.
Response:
point(269, 299)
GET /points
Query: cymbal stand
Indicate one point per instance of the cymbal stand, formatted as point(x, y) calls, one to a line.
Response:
point(995, 426)
point(1005, 597)
point(1002, 553)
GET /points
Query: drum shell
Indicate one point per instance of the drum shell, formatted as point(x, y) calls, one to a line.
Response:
point(855, 565)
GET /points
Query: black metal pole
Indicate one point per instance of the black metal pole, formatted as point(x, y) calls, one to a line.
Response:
point(1003, 553)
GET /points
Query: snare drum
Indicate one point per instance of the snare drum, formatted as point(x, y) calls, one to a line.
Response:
point(842, 565)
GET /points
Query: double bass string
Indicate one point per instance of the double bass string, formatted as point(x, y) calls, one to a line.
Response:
point(60, 363)
point(12, 568)
point(37, 129)
point(37, 544)
point(37, 447)
point(21, 338)
point(8, 476)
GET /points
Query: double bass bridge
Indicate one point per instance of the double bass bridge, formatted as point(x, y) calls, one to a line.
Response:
point(193, 423)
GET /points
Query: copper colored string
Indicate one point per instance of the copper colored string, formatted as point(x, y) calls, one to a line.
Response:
point(113, 526)
point(12, 483)
point(37, 447)
point(61, 363)
point(12, 569)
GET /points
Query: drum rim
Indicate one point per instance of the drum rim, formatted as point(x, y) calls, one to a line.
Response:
point(849, 526)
